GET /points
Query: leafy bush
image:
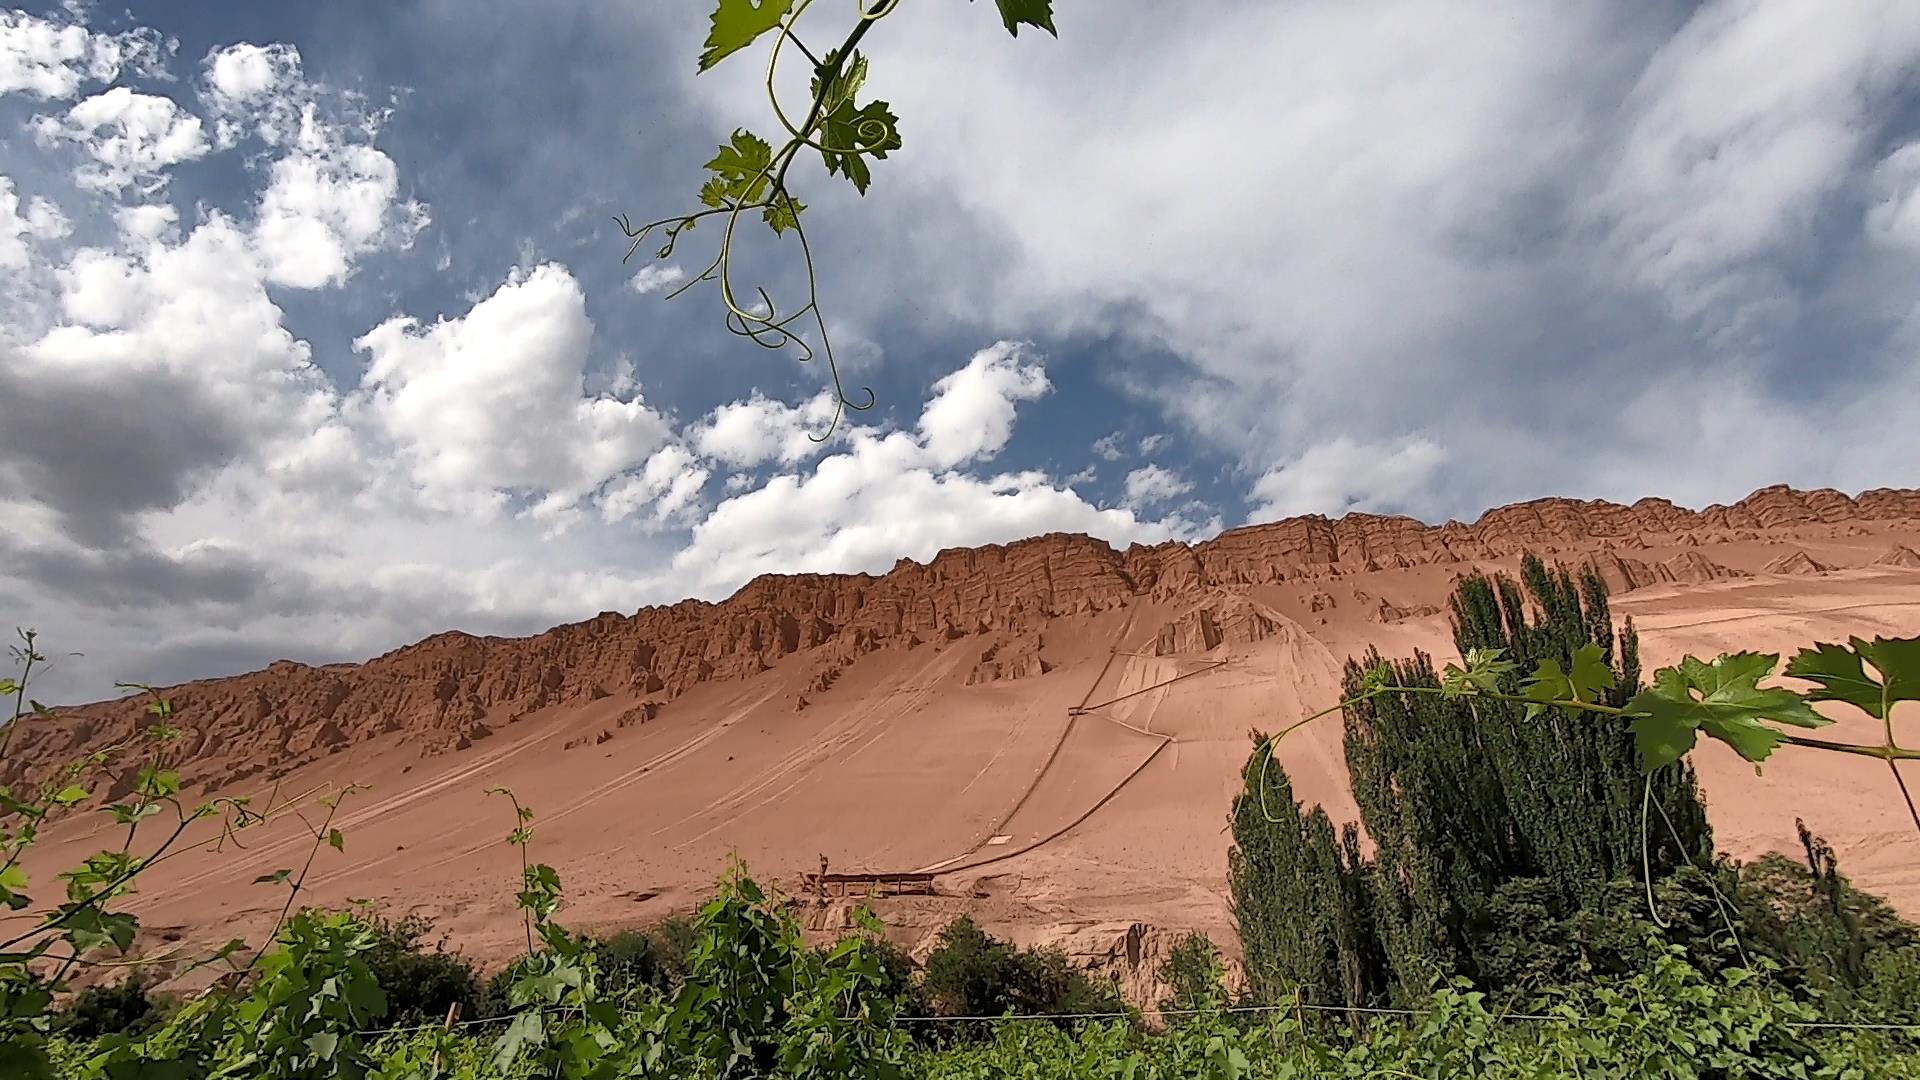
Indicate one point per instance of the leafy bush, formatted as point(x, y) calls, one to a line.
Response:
point(421, 982)
point(970, 973)
point(126, 1007)
point(1193, 975)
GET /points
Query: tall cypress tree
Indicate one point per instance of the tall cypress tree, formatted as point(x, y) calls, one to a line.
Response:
point(1300, 897)
point(1460, 797)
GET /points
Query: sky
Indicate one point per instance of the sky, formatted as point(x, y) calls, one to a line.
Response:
point(316, 335)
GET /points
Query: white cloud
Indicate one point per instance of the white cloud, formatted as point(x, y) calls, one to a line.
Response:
point(1334, 477)
point(746, 434)
point(653, 278)
point(491, 402)
point(1894, 217)
point(1151, 484)
point(1153, 444)
point(670, 482)
point(246, 72)
point(1108, 447)
point(51, 60)
point(1743, 126)
point(329, 202)
point(971, 412)
point(45, 219)
point(13, 227)
point(131, 137)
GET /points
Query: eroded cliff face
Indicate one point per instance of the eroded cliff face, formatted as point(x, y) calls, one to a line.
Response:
point(453, 689)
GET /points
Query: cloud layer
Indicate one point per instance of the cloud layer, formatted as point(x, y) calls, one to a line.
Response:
point(296, 363)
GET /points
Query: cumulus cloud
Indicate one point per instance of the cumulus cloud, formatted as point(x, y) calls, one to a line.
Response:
point(50, 59)
point(971, 412)
point(326, 205)
point(653, 278)
point(1342, 475)
point(1153, 444)
point(1152, 484)
point(491, 402)
point(19, 228)
point(130, 137)
point(746, 434)
point(1108, 447)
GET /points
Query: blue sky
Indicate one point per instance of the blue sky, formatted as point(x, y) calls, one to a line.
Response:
point(318, 339)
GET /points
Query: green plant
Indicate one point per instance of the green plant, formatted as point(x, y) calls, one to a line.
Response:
point(421, 982)
point(41, 948)
point(749, 175)
point(973, 974)
point(1193, 975)
point(126, 1007)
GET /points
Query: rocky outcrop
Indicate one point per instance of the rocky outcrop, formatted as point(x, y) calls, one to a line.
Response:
point(1017, 658)
point(1223, 619)
point(1693, 568)
point(453, 690)
point(1797, 563)
point(1899, 555)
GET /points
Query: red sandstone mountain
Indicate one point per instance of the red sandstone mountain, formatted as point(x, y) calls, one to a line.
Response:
point(452, 690)
point(1053, 728)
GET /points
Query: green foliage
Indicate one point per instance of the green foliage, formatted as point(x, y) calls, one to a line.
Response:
point(126, 1007)
point(971, 973)
point(1484, 804)
point(1722, 699)
point(750, 174)
point(1018, 13)
point(1193, 975)
point(421, 981)
point(1842, 675)
point(1668, 1020)
point(736, 23)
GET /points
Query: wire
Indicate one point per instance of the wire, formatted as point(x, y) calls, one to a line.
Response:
point(1840, 1025)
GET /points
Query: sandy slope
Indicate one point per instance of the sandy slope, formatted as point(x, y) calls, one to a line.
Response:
point(1084, 803)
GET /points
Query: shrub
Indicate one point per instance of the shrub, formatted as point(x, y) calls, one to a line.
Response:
point(421, 982)
point(973, 974)
point(629, 961)
point(127, 1007)
point(1193, 975)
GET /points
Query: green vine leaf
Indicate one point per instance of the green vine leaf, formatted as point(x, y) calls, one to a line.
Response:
point(736, 25)
point(1037, 13)
point(783, 213)
point(1722, 699)
point(740, 171)
point(1485, 668)
point(869, 131)
point(1589, 674)
point(1842, 673)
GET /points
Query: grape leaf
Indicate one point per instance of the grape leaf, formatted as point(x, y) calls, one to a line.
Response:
point(847, 81)
point(740, 170)
point(1547, 684)
point(736, 23)
point(278, 877)
point(1037, 13)
point(1590, 673)
point(872, 130)
point(335, 840)
point(1724, 700)
point(1483, 672)
point(783, 213)
point(1842, 673)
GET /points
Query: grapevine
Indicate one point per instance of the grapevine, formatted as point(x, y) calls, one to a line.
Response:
point(749, 175)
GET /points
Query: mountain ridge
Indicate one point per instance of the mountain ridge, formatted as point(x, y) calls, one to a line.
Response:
point(452, 689)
